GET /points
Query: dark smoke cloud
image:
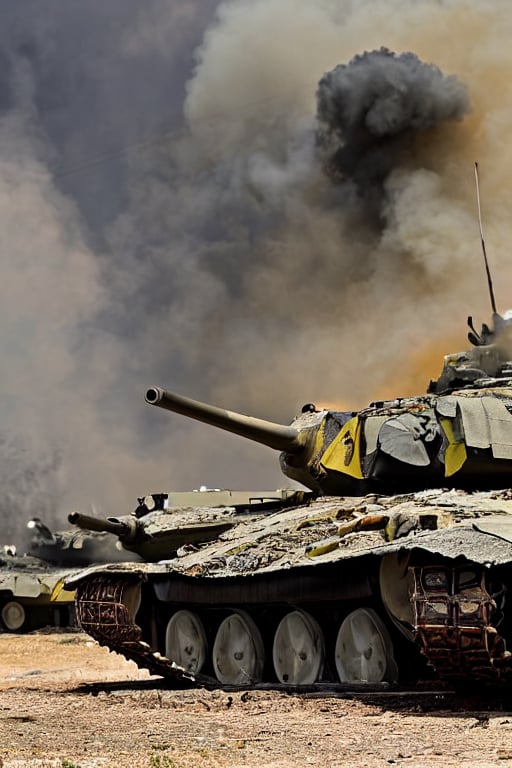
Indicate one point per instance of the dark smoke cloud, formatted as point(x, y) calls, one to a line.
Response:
point(370, 109)
point(85, 92)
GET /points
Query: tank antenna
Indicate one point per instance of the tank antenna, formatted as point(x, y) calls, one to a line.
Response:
point(487, 270)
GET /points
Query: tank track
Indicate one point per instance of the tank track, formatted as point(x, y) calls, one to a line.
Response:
point(104, 616)
point(459, 649)
point(453, 627)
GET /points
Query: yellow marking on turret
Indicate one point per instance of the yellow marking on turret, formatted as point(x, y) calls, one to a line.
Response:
point(344, 453)
point(455, 454)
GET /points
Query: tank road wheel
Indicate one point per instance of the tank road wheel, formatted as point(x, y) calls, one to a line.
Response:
point(299, 649)
point(185, 641)
point(364, 652)
point(238, 652)
point(13, 615)
point(396, 587)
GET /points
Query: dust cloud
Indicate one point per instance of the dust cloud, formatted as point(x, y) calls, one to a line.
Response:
point(167, 219)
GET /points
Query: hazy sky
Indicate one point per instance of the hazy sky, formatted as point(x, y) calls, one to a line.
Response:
point(182, 204)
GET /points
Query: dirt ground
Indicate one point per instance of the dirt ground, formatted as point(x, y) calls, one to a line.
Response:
point(65, 702)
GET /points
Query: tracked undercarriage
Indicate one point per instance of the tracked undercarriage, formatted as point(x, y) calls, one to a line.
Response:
point(374, 589)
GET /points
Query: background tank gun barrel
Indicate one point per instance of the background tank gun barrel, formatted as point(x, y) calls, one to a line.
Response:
point(278, 436)
point(125, 530)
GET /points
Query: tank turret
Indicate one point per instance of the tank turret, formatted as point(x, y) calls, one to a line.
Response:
point(459, 434)
point(163, 523)
point(74, 548)
point(153, 539)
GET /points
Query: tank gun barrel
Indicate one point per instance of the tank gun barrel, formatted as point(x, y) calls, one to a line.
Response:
point(125, 530)
point(277, 436)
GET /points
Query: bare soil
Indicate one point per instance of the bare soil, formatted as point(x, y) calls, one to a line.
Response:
point(65, 702)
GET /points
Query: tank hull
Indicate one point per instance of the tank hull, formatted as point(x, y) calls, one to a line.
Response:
point(32, 595)
point(342, 590)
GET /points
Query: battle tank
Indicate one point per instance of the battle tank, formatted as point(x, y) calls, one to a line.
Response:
point(395, 567)
point(32, 592)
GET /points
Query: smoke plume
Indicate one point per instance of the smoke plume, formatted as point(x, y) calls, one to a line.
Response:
point(370, 110)
point(167, 219)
